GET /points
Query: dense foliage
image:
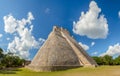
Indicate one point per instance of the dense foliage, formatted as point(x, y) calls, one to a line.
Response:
point(107, 60)
point(9, 60)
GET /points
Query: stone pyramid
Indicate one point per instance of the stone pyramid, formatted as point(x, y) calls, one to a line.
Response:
point(60, 51)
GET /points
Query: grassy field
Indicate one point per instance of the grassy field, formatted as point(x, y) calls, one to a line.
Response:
point(99, 71)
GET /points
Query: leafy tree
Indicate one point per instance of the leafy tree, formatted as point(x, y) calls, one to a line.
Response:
point(105, 60)
point(12, 61)
point(117, 61)
point(1, 53)
point(1, 58)
point(17, 61)
point(9, 60)
point(98, 60)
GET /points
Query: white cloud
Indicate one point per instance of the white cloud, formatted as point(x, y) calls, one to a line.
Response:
point(8, 38)
point(41, 40)
point(22, 32)
point(91, 24)
point(119, 14)
point(84, 46)
point(95, 53)
point(10, 24)
point(92, 43)
point(1, 35)
point(30, 17)
point(112, 50)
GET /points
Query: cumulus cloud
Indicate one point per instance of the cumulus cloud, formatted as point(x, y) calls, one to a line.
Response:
point(119, 14)
point(84, 46)
point(112, 50)
point(10, 24)
point(91, 24)
point(1, 35)
point(92, 43)
point(22, 32)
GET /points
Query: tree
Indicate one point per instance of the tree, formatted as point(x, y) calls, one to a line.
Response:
point(105, 60)
point(1, 53)
point(1, 57)
point(10, 60)
point(117, 61)
point(17, 61)
point(98, 60)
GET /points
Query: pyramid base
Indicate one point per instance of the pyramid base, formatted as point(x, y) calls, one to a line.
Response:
point(50, 68)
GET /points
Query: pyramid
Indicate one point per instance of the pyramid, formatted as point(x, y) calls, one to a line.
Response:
point(60, 51)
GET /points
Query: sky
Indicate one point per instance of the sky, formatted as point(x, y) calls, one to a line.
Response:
point(26, 24)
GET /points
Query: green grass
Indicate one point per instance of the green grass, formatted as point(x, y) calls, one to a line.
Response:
point(99, 71)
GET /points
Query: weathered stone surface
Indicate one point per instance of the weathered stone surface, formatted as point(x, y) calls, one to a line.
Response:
point(59, 52)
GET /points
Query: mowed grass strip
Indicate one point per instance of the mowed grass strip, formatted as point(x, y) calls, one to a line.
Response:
point(99, 71)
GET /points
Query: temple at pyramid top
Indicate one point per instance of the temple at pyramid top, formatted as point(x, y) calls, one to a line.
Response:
point(60, 51)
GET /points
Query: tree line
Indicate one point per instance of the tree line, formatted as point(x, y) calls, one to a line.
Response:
point(107, 60)
point(9, 60)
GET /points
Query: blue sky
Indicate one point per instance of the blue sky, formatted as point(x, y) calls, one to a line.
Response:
point(34, 19)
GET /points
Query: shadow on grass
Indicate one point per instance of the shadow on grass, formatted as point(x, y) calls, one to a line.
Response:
point(9, 71)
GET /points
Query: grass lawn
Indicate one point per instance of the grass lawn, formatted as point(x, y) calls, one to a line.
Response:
point(99, 71)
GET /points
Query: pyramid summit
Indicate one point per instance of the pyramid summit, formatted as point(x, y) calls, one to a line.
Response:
point(60, 51)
